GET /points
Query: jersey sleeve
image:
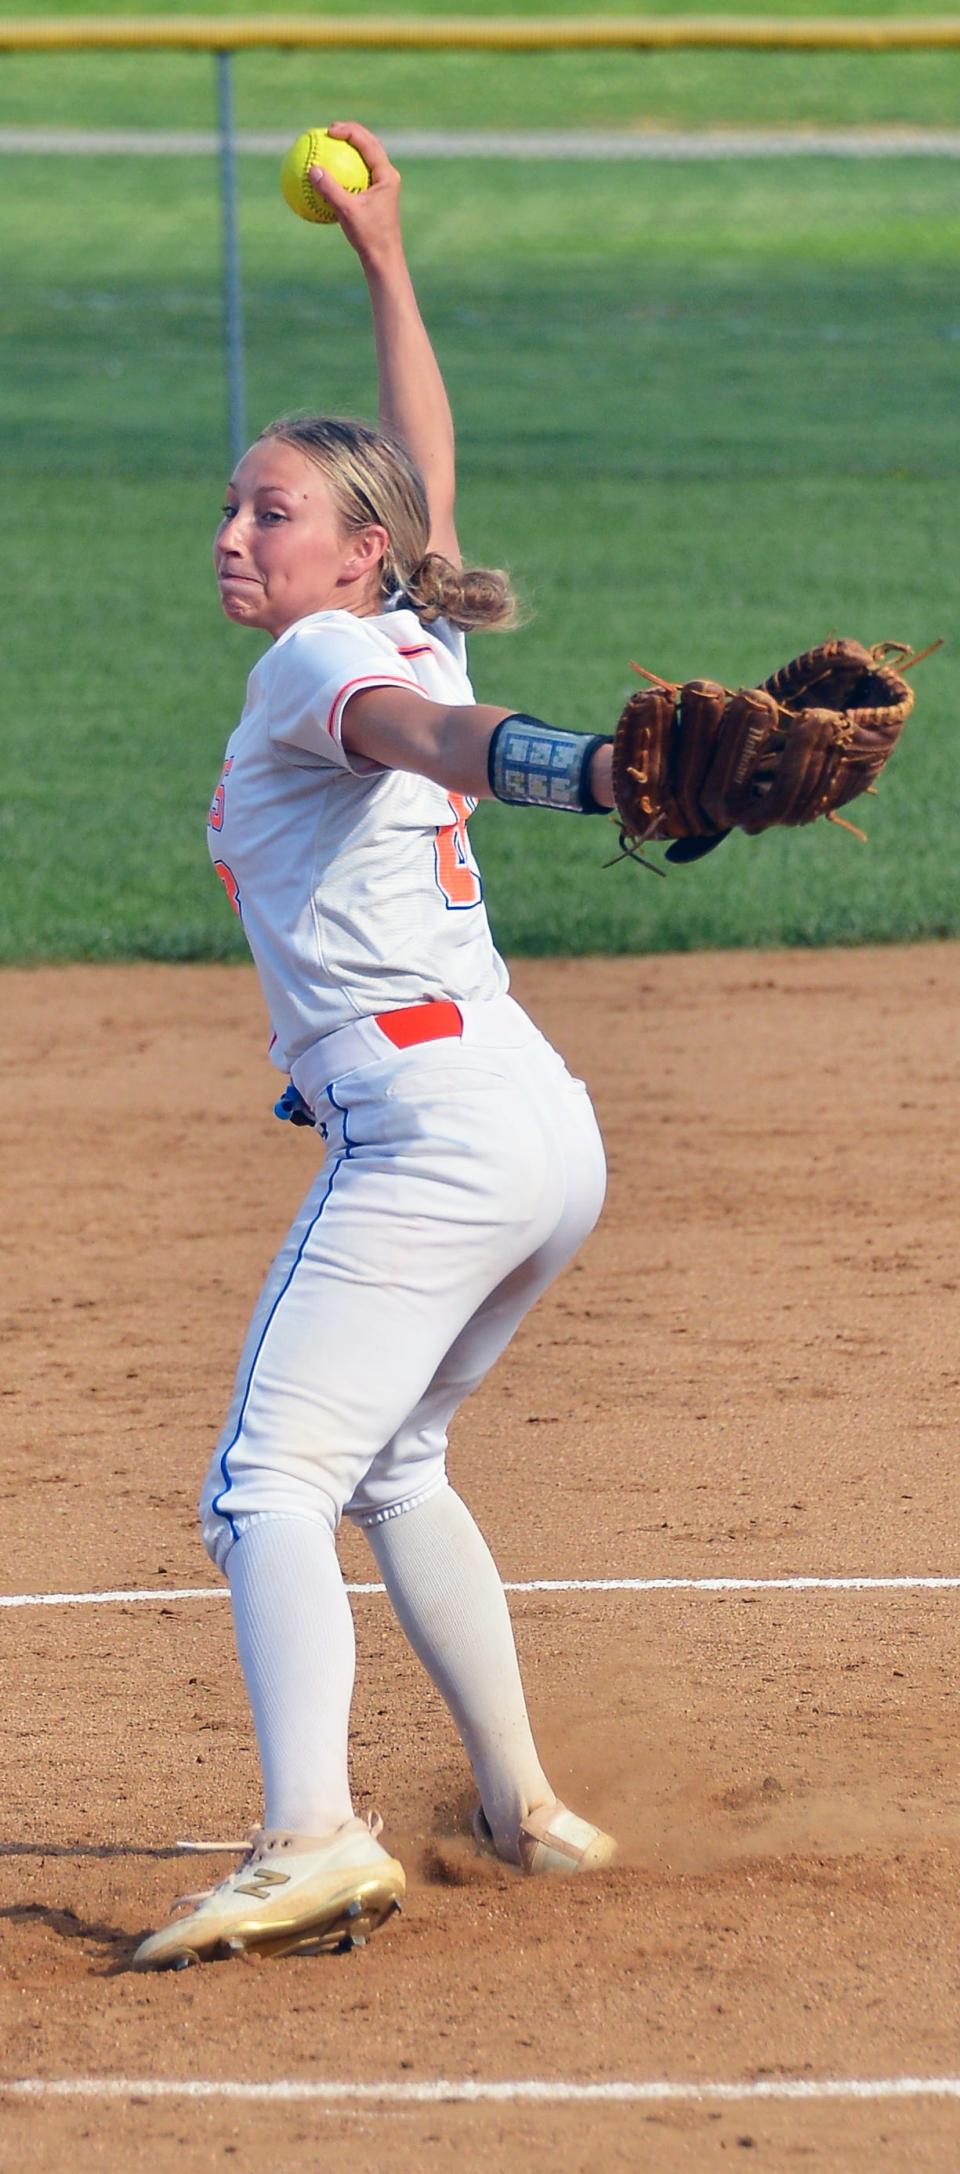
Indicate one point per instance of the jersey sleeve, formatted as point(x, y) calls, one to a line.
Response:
point(315, 672)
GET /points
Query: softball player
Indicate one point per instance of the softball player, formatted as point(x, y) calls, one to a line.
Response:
point(462, 1165)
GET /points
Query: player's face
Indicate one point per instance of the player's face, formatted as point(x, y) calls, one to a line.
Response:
point(280, 551)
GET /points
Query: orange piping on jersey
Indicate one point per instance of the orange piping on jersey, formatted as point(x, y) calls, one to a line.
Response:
point(353, 685)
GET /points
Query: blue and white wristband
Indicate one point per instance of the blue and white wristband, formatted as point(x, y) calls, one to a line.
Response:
point(533, 765)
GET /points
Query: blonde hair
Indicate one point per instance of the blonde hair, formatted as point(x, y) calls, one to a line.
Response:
point(372, 479)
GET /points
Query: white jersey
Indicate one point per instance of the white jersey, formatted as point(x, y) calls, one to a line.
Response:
point(357, 886)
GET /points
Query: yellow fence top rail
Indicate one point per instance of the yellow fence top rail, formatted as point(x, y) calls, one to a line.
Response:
point(225, 33)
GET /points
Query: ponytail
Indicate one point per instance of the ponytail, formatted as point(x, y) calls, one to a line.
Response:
point(469, 596)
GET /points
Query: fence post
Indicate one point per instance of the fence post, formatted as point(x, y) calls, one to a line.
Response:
point(232, 290)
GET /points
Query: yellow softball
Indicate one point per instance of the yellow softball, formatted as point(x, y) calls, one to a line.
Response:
point(316, 147)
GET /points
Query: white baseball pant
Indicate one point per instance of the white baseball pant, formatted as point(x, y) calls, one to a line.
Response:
point(460, 1176)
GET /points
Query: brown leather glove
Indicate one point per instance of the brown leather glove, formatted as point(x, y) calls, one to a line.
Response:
point(694, 762)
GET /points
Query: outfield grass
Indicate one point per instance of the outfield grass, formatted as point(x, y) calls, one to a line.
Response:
point(478, 90)
point(486, 89)
point(705, 414)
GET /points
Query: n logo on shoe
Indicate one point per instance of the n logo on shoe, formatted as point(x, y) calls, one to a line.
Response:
point(260, 1884)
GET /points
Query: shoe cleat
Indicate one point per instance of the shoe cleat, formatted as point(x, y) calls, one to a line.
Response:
point(550, 1839)
point(331, 1894)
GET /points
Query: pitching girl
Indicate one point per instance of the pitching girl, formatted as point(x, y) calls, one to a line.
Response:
point(462, 1164)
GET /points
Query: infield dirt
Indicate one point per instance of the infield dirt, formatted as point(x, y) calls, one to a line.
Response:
point(750, 1372)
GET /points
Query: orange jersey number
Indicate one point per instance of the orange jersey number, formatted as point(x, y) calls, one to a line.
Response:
point(230, 885)
point(457, 875)
point(215, 817)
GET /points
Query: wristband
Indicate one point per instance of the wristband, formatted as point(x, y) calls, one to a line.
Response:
point(530, 764)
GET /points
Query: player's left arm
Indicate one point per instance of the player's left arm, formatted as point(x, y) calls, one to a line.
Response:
point(414, 407)
point(479, 750)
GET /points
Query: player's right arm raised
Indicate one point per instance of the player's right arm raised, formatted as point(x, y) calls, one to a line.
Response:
point(414, 408)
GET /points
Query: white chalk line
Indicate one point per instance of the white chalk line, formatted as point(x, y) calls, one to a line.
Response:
point(468, 2090)
point(907, 1584)
point(528, 144)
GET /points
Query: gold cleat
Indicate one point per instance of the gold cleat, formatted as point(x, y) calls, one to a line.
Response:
point(292, 1894)
point(550, 1839)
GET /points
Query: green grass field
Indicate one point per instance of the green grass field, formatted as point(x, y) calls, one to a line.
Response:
point(413, 89)
point(477, 89)
point(706, 413)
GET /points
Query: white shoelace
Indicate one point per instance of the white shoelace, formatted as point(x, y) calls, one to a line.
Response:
point(249, 1848)
point(256, 1835)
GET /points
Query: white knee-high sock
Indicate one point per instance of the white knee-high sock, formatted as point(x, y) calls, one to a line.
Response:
point(446, 1589)
point(294, 1633)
